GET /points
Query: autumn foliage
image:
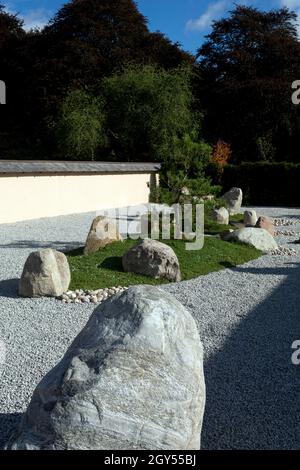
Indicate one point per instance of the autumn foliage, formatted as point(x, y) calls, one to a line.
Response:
point(221, 154)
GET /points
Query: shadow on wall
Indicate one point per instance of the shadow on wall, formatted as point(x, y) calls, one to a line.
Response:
point(253, 399)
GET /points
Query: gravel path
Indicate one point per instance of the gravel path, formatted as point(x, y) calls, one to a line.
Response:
point(248, 318)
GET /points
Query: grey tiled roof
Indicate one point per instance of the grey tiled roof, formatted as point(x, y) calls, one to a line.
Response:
point(48, 167)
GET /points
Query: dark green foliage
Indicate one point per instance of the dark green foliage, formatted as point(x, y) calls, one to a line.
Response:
point(248, 64)
point(79, 129)
point(239, 91)
point(85, 41)
point(90, 39)
point(141, 113)
point(170, 193)
point(12, 72)
point(149, 112)
point(265, 184)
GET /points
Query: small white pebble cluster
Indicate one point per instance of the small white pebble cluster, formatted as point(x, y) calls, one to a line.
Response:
point(284, 251)
point(285, 222)
point(286, 233)
point(90, 296)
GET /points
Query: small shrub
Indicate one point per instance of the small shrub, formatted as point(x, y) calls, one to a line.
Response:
point(221, 154)
point(220, 158)
point(170, 191)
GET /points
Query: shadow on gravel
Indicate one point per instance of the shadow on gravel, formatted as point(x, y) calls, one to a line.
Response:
point(253, 399)
point(8, 426)
point(57, 245)
point(288, 216)
point(276, 271)
point(9, 288)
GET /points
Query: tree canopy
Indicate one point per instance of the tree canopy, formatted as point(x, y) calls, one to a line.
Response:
point(84, 42)
point(248, 64)
point(147, 107)
point(240, 85)
point(11, 27)
point(12, 39)
point(89, 39)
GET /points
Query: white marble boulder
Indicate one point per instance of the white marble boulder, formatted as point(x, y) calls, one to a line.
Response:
point(132, 379)
point(221, 216)
point(250, 217)
point(234, 200)
point(46, 273)
point(256, 237)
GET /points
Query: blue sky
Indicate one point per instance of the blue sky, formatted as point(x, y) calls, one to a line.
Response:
point(185, 21)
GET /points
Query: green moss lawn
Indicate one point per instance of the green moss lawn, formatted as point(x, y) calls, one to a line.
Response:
point(213, 228)
point(104, 268)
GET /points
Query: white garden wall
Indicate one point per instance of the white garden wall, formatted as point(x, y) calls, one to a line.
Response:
point(25, 197)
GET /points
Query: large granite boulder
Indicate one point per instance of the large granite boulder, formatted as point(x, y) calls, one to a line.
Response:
point(250, 217)
point(132, 379)
point(234, 200)
point(256, 237)
point(221, 216)
point(154, 259)
point(46, 274)
point(103, 231)
point(267, 224)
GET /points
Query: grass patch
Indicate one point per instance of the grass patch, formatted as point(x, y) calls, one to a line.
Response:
point(239, 218)
point(104, 268)
point(213, 228)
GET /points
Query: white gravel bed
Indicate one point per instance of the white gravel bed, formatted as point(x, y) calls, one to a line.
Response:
point(248, 318)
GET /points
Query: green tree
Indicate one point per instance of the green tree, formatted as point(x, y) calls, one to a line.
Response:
point(90, 39)
point(85, 41)
point(151, 117)
point(79, 129)
point(149, 109)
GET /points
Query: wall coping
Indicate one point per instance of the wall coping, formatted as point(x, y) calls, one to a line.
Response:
point(48, 167)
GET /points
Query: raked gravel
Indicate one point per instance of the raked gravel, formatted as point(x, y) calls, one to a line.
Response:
point(248, 318)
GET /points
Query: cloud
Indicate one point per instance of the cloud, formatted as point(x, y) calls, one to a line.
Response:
point(33, 18)
point(36, 18)
point(213, 11)
point(292, 4)
point(216, 10)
